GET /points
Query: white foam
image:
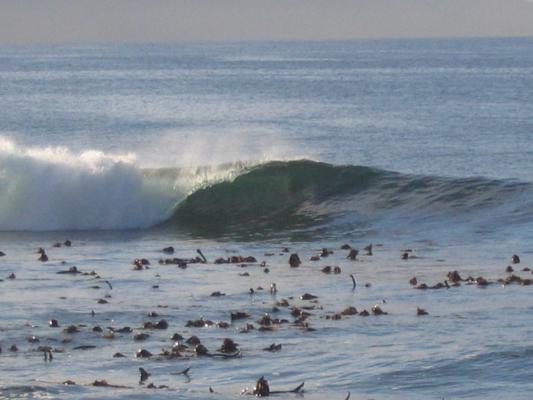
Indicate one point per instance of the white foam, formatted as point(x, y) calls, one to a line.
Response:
point(54, 188)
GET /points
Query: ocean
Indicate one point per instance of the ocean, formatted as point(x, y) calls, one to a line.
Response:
point(254, 151)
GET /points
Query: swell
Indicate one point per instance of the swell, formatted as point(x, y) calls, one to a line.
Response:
point(299, 194)
point(463, 376)
point(50, 189)
point(55, 189)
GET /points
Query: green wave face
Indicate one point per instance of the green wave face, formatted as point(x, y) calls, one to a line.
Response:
point(269, 197)
point(302, 198)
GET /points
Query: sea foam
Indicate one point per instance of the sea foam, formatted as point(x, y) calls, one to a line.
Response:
point(54, 188)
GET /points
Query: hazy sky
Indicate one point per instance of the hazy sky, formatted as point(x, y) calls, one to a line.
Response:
point(29, 21)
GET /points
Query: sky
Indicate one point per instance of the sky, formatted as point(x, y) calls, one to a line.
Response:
point(96, 21)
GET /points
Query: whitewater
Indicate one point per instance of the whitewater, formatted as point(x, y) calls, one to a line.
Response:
point(418, 147)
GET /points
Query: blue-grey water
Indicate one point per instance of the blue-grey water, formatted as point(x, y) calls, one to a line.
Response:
point(245, 149)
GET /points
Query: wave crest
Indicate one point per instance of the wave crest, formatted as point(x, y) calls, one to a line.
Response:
point(55, 189)
point(299, 194)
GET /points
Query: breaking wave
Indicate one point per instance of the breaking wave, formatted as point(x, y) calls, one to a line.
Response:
point(56, 189)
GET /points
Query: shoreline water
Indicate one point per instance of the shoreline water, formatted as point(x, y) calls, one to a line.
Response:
point(458, 318)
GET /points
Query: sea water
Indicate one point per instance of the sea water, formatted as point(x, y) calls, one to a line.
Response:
point(246, 149)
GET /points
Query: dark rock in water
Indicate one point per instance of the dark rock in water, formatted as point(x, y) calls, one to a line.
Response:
point(67, 243)
point(247, 328)
point(140, 264)
point(349, 311)
point(176, 337)
point(199, 323)
point(168, 250)
point(97, 329)
point(194, 340)
point(102, 301)
point(376, 310)
point(294, 260)
point(217, 294)
point(273, 347)
point(421, 311)
point(179, 346)
point(118, 355)
point(237, 260)
point(13, 348)
point(181, 263)
point(353, 254)
point(481, 281)
point(163, 324)
point(141, 336)
point(325, 252)
point(200, 350)
point(228, 346)
point(43, 257)
point(144, 375)
point(143, 353)
point(104, 383)
point(283, 303)
point(515, 259)
point(510, 279)
point(261, 388)
point(308, 296)
point(346, 247)
point(71, 270)
point(439, 285)
point(2, 254)
point(71, 329)
point(239, 315)
point(84, 347)
point(12, 276)
point(265, 320)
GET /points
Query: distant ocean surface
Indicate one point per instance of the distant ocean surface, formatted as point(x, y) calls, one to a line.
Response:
point(247, 148)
